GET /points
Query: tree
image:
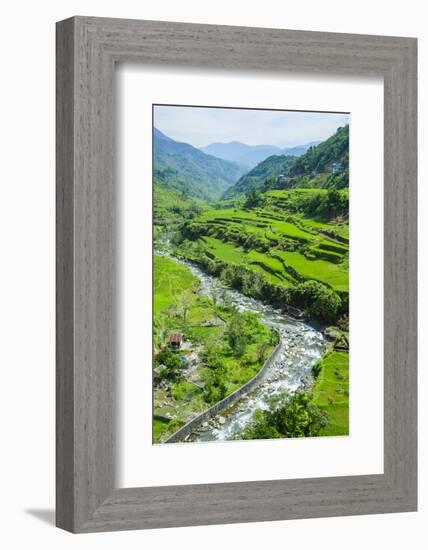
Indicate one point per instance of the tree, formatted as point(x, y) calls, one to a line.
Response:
point(215, 388)
point(318, 299)
point(261, 351)
point(243, 329)
point(290, 416)
point(212, 357)
point(161, 328)
point(214, 375)
point(170, 365)
point(185, 301)
point(237, 335)
point(253, 198)
point(227, 303)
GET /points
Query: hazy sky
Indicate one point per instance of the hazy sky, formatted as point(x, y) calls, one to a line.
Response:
point(201, 126)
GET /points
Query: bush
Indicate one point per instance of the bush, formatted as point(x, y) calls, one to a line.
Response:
point(215, 388)
point(184, 391)
point(294, 416)
point(253, 198)
point(243, 329)
point(170, 363)
point(318, 300)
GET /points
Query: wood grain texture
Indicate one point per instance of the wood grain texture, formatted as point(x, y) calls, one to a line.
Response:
point(87, 49)
point(64, 276)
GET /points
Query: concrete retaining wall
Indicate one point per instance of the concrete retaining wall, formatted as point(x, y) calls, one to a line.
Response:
point(225, 403)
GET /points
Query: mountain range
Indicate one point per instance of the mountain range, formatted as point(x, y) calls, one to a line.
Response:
point(249, 156)
point(312, 169)
point(180, 167)
point(184, 168)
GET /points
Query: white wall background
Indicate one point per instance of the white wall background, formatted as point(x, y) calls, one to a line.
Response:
point(27, 272)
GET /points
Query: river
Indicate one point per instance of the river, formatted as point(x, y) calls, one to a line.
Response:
point(301, 345)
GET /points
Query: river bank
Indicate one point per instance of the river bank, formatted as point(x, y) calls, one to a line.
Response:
point(301, 346)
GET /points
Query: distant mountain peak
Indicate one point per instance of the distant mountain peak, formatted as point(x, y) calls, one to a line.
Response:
point(160, 135)
point(319, 158)
point(249, 156)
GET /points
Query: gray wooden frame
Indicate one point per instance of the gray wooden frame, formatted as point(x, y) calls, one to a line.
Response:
point(87, 50)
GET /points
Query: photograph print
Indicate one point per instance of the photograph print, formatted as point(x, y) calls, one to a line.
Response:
point(250, 274)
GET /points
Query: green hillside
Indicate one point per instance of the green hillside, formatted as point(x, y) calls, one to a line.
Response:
point(322, 166)
point(183, 168)
point(319, 159)
point(279, 235)
point(268, 171)
point(171, 207)
point(232, 347)
point(276, 252)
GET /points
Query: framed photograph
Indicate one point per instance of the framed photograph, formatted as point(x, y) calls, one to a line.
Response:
point(251, 261)
point(236, 274)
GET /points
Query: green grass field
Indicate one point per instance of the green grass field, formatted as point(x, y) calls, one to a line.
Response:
point(333, 274)
point(203, 331)
point(170, 280)
point(257, 222)
point(170, 207)
point(275, 240)
point(331, 392)
point(321, 270)
point(275, 235)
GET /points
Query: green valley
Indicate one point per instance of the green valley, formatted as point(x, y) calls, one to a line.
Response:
point(245, 264)
point(221, 348)
point(275, 240)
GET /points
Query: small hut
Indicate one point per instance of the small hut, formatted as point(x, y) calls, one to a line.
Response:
point(175, 340)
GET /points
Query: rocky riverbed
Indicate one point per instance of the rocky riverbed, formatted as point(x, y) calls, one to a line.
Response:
point(301, 345)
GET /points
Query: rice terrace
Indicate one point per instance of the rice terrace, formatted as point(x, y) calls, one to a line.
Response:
point(250, 274)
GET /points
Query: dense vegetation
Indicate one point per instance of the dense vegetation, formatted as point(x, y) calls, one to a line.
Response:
point(331, 391)
point(274, 252)
point(280, 235)
point(265, 173)
point(172, 208)
point(322, 412)
point(181, 167)
point(325, 165)
point(317, 159)
point(229, 347)
point(291, 416)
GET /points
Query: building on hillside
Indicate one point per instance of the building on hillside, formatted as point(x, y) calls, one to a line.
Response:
point(175, 340)
point(336, 167)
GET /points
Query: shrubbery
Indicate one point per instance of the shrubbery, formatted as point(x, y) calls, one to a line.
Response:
point(243, 329)
point(319, 300)
point(316, 299)
point(325, 205)
point(335, 148)
point(215, 388)
point(290, 416)
point(169, 364)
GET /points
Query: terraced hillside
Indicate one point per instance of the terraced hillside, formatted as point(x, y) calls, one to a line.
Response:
point(235, 257)
point(280, 243)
